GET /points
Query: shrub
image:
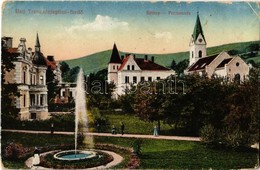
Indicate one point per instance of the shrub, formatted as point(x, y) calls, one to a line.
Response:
point(14, 151)
point(137, 146)
point(210, 135)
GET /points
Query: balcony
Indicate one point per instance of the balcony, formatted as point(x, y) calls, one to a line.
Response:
point(38, 108)
point(38, 88)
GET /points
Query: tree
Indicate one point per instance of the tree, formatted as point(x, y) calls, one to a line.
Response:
point(51, 84)
point(147, 105)
point(8, 90)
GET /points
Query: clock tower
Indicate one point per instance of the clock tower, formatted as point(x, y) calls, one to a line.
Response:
point(198, 43)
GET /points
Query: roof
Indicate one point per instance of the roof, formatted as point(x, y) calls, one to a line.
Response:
point(12, 50)
point(145, 65)
point(197, 29)
point(39, 59)
point(225, 61)
point(37, 41)
point(115, 57)
point(202, 63)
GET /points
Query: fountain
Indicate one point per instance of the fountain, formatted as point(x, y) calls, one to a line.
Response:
point(81, 125)
point(79, 159)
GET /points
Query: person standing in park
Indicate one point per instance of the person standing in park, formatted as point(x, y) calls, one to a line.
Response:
point(52, 128)
point(122, 128)
point(113, 130)
point(36, 157)
point(155, 131)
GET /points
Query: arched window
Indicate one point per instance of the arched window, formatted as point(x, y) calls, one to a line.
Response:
point(133, 67)
point(128, 67)
point(237, 78)
point(200, 54)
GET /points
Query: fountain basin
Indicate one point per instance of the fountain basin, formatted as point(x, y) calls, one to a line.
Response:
point(71, 155)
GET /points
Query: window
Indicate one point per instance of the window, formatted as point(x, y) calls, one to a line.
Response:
point(237, 78)
point(149, 78)
point(24, 100)
point(33, 115)
point(142, 79)
point(237, 64)
point(114, 67)
point(41, 99)
point(41, 79)
point(117, 67)
point(158, 78)
point(134, 79)
point(128, 67)
point(24, 77)
point(200, 54)
point(192, 54)
point(31, 79)
point(32, 99)
point(133, 67)
point(126, 79)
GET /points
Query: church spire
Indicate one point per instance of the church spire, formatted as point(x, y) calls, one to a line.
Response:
point(115, 57)
point(198, 29)
point(37, 45)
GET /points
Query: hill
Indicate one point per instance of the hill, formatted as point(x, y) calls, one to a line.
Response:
point(98, 61)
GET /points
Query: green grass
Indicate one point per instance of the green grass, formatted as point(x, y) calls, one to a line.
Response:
point(133, 124)
point(166, 154)
point(99, 61)
point(163, 154)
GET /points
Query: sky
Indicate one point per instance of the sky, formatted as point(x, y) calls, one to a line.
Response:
point(74, 29)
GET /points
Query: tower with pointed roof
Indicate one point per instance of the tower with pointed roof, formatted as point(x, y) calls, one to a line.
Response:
point(198, 43)
point(113, 65)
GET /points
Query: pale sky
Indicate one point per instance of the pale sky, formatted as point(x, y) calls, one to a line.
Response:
point(137, 27)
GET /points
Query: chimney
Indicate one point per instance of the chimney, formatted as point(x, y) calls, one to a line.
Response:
point(50, 58)
point(146, 57)
point(122, 57)
point(153, 59)
point(8, 41)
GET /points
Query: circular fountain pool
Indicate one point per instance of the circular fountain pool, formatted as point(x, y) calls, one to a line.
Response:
point(71, 155)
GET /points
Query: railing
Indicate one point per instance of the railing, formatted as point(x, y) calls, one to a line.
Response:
point(38, 87)
point(38, 108)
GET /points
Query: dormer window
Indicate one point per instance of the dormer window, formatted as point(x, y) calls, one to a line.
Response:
point(133, 67)
point(128, 67)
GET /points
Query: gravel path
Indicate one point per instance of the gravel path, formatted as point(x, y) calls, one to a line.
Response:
point(182, 138)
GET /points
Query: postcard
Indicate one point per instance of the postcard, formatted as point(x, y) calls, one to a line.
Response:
point(130, 85)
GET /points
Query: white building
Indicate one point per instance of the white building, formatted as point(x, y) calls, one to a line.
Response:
point(30, 76)
point(130, 70)
point(222, 64)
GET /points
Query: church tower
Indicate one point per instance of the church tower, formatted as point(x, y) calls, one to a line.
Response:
point(198, 43)
point(113, 65)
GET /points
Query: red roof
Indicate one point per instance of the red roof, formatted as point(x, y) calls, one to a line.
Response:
point(144, 64)
point(12, 50)
point(202, 63)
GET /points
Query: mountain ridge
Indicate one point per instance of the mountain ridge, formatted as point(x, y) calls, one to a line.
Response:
point(98, 61)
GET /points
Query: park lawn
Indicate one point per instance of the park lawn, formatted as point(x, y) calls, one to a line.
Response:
point(133, 124)
point(169, 154)
point(156, 154)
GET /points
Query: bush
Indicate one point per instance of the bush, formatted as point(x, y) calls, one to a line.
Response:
point(210, 135)
point(14, 151)
point(137, 147)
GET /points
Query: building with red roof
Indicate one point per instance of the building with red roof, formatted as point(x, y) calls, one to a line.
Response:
point(129, 70)
point(30, 76)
